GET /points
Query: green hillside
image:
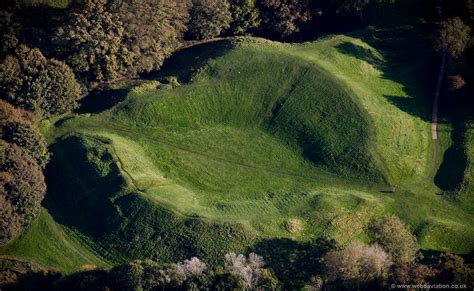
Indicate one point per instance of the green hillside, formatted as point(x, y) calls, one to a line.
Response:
point(265, 140)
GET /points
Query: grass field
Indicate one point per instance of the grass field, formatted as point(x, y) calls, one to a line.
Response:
point(50, 244)
point(265, 140)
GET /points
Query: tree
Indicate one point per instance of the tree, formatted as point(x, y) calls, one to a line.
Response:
point(192, 268)
point(453, 37)
point(32, 82)
point(283, 18)
point(250, 270)
point(412, 273)
point(245, 16)
point(93, 43)
point(395, 238)
point(209, 18)
point(23, 188)
point(18, 127)
point(9, 32)
point(356, 6)
point(152, 30)
point(452, 269)
point(358, 263)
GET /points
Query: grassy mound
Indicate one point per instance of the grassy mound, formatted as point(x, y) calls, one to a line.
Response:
point(265, 140)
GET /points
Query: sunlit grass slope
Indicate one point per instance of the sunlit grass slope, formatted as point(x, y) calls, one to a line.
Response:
point(266, 140)
point(50, 244)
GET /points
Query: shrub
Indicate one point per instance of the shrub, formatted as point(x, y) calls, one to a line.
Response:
point(209, 18)
point(395, 238)
point(32, 82)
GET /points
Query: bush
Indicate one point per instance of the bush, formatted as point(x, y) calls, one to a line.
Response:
point(395, 238)
point(32, 82)
point(23, 188)
point(209, 18)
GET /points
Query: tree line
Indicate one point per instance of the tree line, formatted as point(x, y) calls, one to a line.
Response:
point(392, 257)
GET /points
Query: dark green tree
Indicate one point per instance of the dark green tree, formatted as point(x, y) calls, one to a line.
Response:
point(356, 6)
point(453, 37)
point(152, 29)
point(19, 127)
point(209, 18)
point(32, 82)
point(283, 18)
point(245, 16)
point(22, 190)
point(9, 32)
point(93, 43)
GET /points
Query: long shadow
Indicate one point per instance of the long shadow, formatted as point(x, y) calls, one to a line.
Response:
point(294, 262)
point(78, 193)
point(101, 99)
point(184, 63)
point(359, 52)
point(408, 60)
point(412, 64)
point(450, 174)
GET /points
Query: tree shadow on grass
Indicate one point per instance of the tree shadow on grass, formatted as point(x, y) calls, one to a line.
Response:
point(294, 262)
point(450, 174)
point(184, 63)
point(101, 99)
point(407, 60)
point(359, 52)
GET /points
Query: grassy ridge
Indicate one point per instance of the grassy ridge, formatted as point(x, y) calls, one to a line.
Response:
point(262, 143)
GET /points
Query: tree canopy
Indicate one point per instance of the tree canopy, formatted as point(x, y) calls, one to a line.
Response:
point(209, 18)
point(32, 82)
point(453, 37)
point(395, 238)
point(19, 127)
point(283, 18)
point(22, 189)
point(245, 16)
point(152, 29)
point(93, 43)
